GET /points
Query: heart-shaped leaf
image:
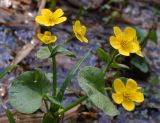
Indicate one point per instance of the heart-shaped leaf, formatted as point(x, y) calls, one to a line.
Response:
point(27, 91)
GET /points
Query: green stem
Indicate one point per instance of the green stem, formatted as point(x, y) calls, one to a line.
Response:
point(54, 71)
point(70, 106)
point(46, 105)
point(80, 13)
point(70, 39)
point(106, 89)
point(52, 4)
point(54, 76)
point(110, 62)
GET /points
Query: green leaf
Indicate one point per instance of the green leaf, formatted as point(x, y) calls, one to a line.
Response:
point(141, 34)
point(10, 116)
point(61, 50)
point(117, 65)
point(27, 90)
point(153, 36)
point(140, 63)
point(43, 52)
point(53, 100)
point(102, 55)
point(91, 79)
point(92, 75)
point(6, 70)
point(68, 79)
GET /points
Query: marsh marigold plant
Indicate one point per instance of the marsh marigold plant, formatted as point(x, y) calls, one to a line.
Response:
point(127, 94)
point(80, 31)
point(49, 18)
point(31, 88)
point(125, 42)
point(47, 37)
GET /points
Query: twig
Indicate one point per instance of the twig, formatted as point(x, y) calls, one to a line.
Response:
point(30, 46)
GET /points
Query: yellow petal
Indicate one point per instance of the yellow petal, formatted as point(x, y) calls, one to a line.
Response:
point(58, 13)
point(130, 32)
point(40, 36)
point(131, 85)
point(119, 86)
point(85, 39)
point(137, 97)
point(47, 38)
point(83, 30)
point(79, 37)
point(60, 20)
point(40, 19)
point(53, 39)
point(76, 26)
point(49, 23)
point(47, 33)
point(128, 105)
point(118, 98)
point(46, 12)
point(74, 29)
point(139, 89)
point(124, 52)
point(139, 53)
point(117, 31)
point(77, 23)
point(114, 42)
point(133, 47)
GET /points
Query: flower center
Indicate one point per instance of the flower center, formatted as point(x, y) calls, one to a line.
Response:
point(47, 38)
point(51, 19)
point(126, 95)
point(124, 44)
point(79, 32)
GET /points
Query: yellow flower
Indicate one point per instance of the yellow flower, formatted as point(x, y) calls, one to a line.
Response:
point(127, 94)
point(47, 37)
point(49, 18)
point(80, 31)
point(126, 42)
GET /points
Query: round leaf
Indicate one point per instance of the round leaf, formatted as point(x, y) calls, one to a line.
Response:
point(27, 90)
